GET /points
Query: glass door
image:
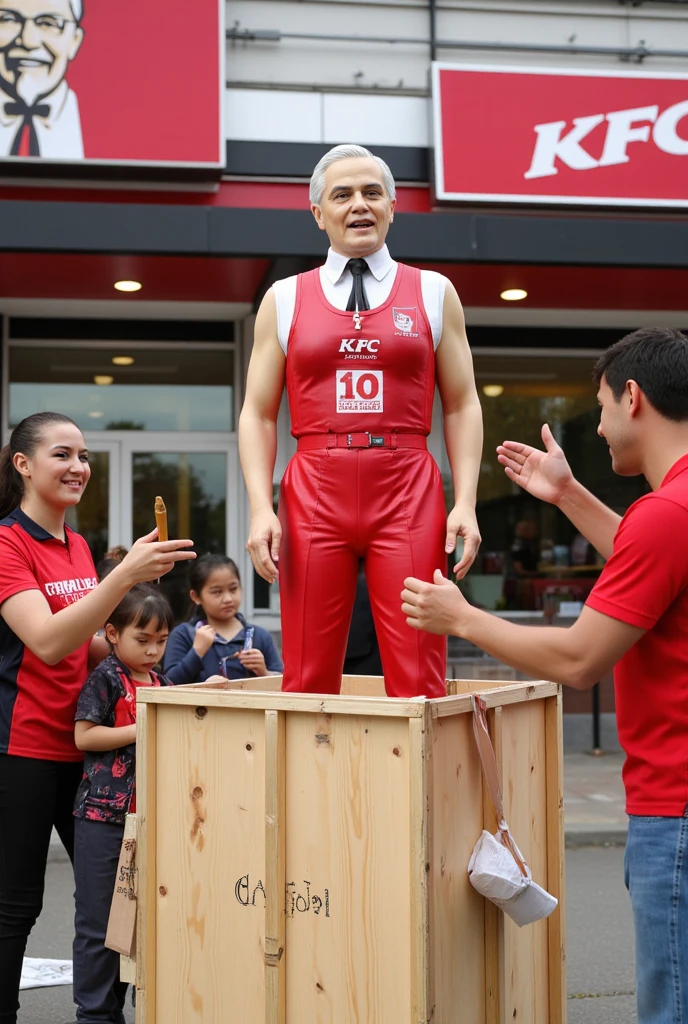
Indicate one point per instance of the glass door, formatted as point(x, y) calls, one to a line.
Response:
point(194, 487)
point(97, 516)
point(194, 474)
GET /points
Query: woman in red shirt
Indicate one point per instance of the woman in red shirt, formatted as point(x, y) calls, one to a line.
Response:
point(51, 605)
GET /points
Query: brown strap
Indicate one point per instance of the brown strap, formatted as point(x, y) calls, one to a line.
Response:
point(489, 763)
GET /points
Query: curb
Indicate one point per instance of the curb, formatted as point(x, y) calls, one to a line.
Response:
point(577, 840)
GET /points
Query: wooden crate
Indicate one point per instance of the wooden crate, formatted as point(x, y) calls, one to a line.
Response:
point(302, 859)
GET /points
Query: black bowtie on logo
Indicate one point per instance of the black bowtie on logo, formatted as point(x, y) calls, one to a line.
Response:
point(18, 108)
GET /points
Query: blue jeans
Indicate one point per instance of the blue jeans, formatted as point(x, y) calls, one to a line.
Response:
point(656, 871)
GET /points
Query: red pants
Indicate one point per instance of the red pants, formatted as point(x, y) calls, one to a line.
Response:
point(336, 506)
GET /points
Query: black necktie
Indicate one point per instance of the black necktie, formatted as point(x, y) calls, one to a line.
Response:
point(357, 298)
point(18, 108)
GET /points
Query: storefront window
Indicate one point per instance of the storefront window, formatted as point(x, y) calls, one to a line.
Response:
point(166, 388)
point(531, 557)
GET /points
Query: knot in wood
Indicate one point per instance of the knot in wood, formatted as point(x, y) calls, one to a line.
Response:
point(201, 712)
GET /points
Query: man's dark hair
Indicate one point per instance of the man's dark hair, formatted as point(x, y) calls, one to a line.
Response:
point(656, 358)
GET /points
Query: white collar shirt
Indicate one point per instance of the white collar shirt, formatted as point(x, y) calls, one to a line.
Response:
point(58, 134)
point(378, 279)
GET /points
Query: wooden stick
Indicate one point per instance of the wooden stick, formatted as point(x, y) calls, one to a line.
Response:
point(161, 518)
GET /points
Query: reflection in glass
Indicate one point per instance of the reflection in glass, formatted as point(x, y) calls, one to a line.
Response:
point(90, 516)
point(160, 389)
point(193, 486)
point(531, 555)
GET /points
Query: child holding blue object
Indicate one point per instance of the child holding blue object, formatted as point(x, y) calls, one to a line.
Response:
point(217, 640)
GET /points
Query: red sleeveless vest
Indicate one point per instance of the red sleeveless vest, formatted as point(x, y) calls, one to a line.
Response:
point(379, 378)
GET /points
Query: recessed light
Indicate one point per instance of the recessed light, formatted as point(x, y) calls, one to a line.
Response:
point(514, 294)
point(123, 360)
point(493, 390)
point(128, 286)
point(95, 414)
point(103, 378)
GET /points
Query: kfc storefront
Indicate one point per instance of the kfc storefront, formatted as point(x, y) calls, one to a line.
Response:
point(554, 201)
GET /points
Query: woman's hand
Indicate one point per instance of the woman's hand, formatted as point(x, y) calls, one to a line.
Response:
point(254, 661)
point(204, 640)
point(149, 559)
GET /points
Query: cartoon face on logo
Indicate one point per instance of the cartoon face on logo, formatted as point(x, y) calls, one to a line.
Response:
point(404, 319)
point(38, 40)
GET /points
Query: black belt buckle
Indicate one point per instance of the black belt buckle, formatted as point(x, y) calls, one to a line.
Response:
point(375, 441)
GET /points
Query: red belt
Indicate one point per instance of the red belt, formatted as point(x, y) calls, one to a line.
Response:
point(362, 439)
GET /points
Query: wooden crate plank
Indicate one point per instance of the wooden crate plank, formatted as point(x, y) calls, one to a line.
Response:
point(146, 859)
point(348, 844)
point(509, 693)
point(555, 857)
point(525, 974)
point(195, 696)
point(352, 686)
point(457, 910)
point(127, 964)
point(421, 994)
point(494, 918)
point(211, 859)
point(275, 867)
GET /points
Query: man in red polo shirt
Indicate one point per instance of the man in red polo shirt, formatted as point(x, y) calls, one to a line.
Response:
point(635, 620)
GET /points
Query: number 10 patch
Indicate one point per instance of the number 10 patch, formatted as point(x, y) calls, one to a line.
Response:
point(359, 391)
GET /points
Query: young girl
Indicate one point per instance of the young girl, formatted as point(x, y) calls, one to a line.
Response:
point(51, 605)
point(217, 640)
point(105, 730)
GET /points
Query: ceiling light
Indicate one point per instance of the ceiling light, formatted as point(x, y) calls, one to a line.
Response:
point(514, 294)
point(123, 360)
point(493, 390)
point(95, 414)
point(128, 286)
point(103, 378)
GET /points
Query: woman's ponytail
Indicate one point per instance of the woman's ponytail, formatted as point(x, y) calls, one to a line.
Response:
point(11, 488)
point(25, 438)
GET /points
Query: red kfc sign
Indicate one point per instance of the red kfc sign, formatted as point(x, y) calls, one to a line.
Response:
point(133, 82)
point(540, 135)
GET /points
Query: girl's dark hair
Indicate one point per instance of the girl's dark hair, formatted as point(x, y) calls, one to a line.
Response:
point(25, 438)
point(199, 574)
point(142, 605)
point(110, 561)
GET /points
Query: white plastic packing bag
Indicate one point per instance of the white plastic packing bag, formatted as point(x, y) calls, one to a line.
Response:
point(497, 869)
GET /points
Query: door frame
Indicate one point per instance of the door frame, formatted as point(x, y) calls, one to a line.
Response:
point(121, 445)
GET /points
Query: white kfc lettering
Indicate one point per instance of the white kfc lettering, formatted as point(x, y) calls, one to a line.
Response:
point(665, 131)
point(359, 345)
point(551, 145)
point(623, 127)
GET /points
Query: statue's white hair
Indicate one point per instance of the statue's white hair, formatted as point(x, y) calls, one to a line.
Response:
point(77, 9)
point(346, 152)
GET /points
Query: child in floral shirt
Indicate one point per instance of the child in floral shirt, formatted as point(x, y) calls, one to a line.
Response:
point(105, 729)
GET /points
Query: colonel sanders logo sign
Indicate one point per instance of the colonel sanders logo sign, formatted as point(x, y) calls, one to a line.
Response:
point(65, 93)
point(40, 113)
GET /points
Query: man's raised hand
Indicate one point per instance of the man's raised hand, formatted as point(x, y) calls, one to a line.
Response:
point(545, 475)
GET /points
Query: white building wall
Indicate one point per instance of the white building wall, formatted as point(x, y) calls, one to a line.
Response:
point(328, 90)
